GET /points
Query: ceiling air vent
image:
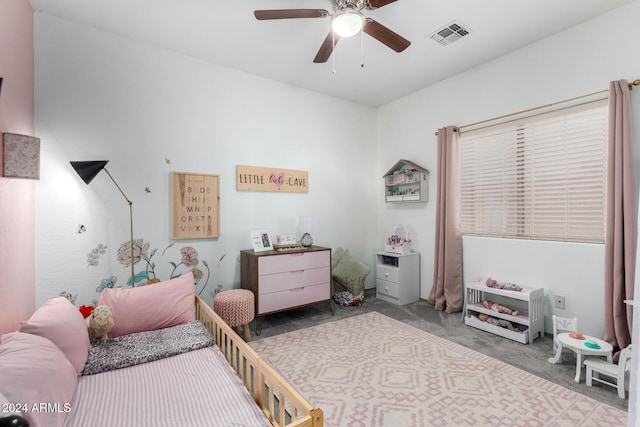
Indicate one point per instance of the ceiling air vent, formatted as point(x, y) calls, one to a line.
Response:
point(450, 33)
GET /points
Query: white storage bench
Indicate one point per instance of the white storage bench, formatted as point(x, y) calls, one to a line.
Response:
point(528, 302)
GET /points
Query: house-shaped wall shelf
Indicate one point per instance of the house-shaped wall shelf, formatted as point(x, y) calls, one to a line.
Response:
point(406, 182)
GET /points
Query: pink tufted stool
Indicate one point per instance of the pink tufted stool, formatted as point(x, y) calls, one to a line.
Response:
point(236, 308)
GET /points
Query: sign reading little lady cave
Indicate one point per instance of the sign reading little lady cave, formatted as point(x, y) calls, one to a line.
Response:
point(254, 178)
point(195, 206)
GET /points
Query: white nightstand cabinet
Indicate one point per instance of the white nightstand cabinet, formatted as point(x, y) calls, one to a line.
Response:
point(398, 277)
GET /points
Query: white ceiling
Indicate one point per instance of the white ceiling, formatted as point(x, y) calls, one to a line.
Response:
point(227, 33)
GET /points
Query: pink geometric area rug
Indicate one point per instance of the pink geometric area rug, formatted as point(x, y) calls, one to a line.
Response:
point(371, 370)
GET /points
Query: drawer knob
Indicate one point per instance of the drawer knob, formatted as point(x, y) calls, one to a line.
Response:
point(386, 274)
point(386, 288)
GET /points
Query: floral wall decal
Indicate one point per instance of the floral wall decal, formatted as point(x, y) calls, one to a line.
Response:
point(94, 255)
point(68, 296)
point(126, 256)
point(152, 266)
point(107, 283)
point(189, 259)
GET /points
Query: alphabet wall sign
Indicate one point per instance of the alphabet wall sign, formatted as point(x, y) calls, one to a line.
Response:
point(255, 178)
point(195, 206)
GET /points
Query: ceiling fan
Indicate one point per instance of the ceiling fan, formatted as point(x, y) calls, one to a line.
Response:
point(346, 20)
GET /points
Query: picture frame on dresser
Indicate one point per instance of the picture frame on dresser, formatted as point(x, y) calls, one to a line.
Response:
point(261, 241)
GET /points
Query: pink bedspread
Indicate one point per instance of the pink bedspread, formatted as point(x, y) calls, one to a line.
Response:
point(197, 388)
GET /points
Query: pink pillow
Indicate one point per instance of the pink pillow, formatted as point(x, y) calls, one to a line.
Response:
point(150, 307)
point(61, 322)
point(33, 371)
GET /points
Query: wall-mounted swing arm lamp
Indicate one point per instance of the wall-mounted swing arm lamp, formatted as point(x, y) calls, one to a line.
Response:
point(87, 171)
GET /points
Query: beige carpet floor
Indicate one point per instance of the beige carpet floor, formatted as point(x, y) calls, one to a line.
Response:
point(371, 370)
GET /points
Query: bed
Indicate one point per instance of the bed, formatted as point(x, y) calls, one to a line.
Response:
point(218, 383)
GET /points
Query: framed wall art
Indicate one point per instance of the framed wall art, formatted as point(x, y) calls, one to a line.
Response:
point(195, 206)
point(21, 156)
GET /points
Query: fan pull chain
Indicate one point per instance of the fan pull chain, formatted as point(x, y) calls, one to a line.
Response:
point(361, 49)
point(333, 52)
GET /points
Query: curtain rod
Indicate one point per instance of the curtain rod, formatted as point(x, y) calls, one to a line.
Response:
point(631, 85)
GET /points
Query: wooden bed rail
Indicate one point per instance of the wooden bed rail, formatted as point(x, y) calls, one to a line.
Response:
point(279, 401)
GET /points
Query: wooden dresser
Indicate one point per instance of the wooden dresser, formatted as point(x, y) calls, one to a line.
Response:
point(283, 280)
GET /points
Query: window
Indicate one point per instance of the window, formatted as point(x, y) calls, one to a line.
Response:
point(541, 177)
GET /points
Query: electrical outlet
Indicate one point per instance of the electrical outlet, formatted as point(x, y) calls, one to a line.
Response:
point(559, 301)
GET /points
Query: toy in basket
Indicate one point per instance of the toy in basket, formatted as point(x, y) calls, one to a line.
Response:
point(399, 242)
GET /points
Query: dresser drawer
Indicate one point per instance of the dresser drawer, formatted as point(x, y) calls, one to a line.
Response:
point(293, 297)
point(294, 261)
point(293, 279)
point(387, 273)
point(387, 288)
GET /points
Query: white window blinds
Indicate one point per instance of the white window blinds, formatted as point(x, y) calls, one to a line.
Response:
point(542, 177)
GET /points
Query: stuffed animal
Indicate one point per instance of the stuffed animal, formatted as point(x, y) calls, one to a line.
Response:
point(501, 322)
point(499, 308)
point(86, 310)
point(100, 323)
point(493, 283)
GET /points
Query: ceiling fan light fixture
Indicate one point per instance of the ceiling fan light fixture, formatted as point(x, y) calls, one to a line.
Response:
point(347, 23)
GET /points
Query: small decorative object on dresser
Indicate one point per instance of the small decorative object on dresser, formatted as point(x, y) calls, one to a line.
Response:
point(285, 280)
point(286, 242)
point(398, 277)
point(305, 227)
point(261, 241)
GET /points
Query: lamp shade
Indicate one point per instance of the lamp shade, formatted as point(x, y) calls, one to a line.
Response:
point(305, 224)
point(89, 170)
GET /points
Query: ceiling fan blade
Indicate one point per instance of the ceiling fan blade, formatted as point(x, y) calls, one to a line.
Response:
point(327, 48)
point(375, 4)
point(262, 15)
point(384, 35)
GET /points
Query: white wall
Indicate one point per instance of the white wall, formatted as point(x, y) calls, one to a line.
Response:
point(103, 97)
point(577, 61)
